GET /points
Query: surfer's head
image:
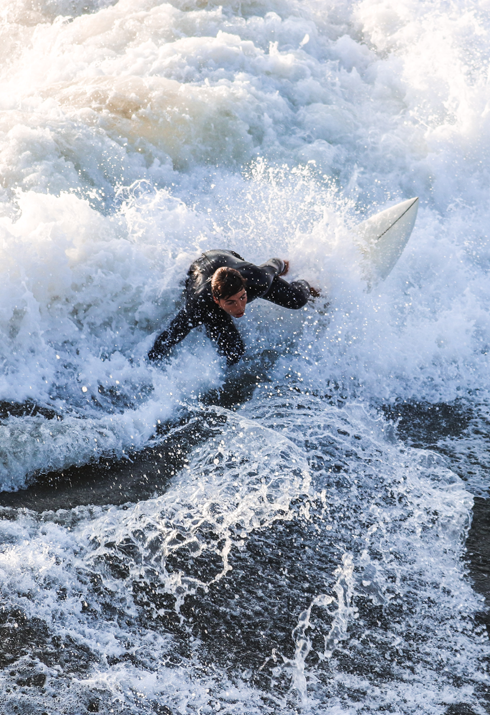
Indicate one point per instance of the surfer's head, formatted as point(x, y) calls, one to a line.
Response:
point(228, 288)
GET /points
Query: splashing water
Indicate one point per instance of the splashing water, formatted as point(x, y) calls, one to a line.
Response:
point(298, 544)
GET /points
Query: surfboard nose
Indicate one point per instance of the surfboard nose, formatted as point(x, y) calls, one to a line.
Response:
point(383, 237)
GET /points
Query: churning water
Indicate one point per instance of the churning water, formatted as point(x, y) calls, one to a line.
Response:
point(287, 536)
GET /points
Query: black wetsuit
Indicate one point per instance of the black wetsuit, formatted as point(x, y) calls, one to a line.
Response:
point(200, 309)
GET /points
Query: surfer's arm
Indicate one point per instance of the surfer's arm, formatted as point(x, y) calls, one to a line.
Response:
point(289, 295)
point(259, 278)
point(221, 329)
point(275, 267)
point(180, 326)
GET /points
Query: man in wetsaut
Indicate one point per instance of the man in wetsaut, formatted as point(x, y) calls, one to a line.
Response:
point(218, 287)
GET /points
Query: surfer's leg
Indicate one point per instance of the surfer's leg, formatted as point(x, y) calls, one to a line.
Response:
point(228, 340)
point(289, 295)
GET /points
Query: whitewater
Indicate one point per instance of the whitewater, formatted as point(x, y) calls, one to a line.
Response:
point(289, 535)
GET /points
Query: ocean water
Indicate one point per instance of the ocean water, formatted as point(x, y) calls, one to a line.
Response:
point(289, 535)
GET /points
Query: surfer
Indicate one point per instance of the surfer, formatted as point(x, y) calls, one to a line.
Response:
point(218, 287)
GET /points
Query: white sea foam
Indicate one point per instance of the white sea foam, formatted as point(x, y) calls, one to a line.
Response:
point(133, 136)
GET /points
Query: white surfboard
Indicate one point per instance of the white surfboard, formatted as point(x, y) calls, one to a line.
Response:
point(383, 237)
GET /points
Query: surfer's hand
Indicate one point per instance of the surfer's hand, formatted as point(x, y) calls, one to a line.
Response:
point(314, 292)
point(285, 269)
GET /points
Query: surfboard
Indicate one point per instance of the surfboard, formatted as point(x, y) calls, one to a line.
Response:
point(383, 237)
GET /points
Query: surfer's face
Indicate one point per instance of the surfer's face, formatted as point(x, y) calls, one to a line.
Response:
point(234, 305)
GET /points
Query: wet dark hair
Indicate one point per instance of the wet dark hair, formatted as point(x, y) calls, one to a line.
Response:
point(226, 282)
